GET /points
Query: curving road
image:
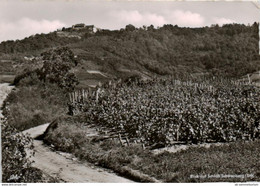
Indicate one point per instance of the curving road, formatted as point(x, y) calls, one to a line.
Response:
point(62, 166)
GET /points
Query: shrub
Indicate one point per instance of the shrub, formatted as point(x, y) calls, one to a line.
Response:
point(16, 166)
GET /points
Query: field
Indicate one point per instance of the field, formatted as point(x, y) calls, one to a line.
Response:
point(134, 117)
point(163, 112)
point(237, 158)
point(120, 124)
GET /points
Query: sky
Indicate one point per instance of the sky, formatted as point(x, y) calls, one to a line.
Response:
point(22, 18)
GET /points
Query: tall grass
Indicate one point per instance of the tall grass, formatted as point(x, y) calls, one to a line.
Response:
point(30, 106)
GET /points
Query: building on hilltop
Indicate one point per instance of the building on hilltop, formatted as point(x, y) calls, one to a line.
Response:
point(79, 26)
point(89, 28)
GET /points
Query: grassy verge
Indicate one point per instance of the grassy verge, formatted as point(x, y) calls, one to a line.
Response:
point(29, 106)
point(6, 78)
point(26, 107)
point(192, 165)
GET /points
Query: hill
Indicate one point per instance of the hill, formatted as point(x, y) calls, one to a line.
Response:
point(227, 51)
point(142, 115)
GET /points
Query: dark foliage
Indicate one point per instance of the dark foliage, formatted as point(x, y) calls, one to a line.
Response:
point(15, 158)
point(56, 69)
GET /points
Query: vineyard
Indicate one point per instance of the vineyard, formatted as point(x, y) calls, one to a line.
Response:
point(165, 111)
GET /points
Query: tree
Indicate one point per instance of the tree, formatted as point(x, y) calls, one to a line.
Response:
point(56, 67)
point(130, 28)
point(150, 28)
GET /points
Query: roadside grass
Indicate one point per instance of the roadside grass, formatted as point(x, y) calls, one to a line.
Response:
point(26, 107)
point(6, 78)
point(30, 106)
point(231, 159)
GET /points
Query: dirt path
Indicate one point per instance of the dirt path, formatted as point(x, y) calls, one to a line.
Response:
point(66, 167)
point(59, 165)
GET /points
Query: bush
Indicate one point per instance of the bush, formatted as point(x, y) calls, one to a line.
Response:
point(16, 165)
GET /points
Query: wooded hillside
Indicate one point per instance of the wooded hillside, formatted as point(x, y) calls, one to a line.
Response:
point(230, 50)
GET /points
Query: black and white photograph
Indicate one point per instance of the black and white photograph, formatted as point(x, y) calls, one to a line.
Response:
point(118, 91)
